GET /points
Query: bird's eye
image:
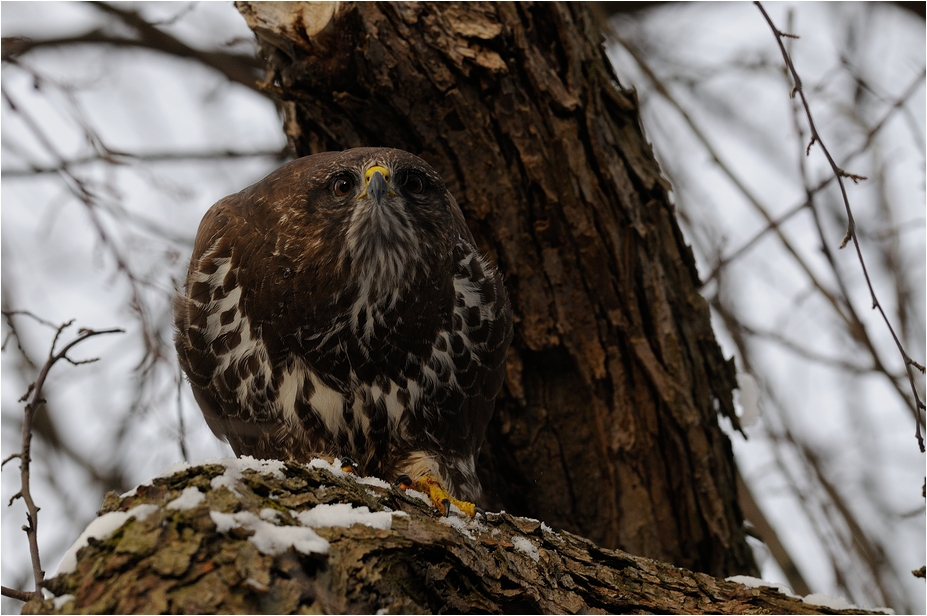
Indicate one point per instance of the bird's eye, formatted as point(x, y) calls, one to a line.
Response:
point(342, 185)
point(413, 183)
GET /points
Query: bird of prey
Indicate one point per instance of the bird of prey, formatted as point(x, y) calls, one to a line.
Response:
point(339, 307)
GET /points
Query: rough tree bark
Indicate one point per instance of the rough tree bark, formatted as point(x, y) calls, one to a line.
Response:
point(608, 422)
point(171, 557)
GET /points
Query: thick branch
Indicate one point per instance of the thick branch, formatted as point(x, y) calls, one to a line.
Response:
point(169, 556)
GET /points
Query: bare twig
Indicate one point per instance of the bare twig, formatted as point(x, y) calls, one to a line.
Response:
point(35, 400)
point(123, 158)
point(741, 185)
point(21, 595)
point(236, 68)
point(850, 549)
point(239, 68)
point(839, 173)
point(916, 84)
point(87, 196)
point(768, 535)
point(44, 426)
point(838, 301)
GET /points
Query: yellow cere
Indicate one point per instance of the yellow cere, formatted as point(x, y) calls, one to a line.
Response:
point(369, 173)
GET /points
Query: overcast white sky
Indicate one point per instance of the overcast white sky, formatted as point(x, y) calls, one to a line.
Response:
point(57, 264)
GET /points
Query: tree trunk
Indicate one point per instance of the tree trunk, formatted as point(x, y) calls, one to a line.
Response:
point(608, 422)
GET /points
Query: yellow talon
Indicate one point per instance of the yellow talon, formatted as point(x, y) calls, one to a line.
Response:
point(348, 465)
point(439, 496)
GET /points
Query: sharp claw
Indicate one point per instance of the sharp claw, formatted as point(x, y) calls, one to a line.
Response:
point(481, 512)
point(447, 507)
point(348, 465)
point(403, 482)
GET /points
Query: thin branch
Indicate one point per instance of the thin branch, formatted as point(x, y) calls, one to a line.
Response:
point(809, 354)
point(807, 484)
point(124, 158)
point(768, 535)
point(836, 302)
point(857, 329)
point(34, 395)
point(239, 68)
point(44, 426)
point(916, 84)
point(79, 189)
point(20, 595)
point(839, 173)
point(233, 68)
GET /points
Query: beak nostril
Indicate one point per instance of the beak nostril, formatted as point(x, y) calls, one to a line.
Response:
point(383, 171)
point(377, 182)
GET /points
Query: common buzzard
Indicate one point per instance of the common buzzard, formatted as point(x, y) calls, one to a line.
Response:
point(339, 307)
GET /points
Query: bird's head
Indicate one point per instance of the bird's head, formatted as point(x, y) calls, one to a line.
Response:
point(383, 214)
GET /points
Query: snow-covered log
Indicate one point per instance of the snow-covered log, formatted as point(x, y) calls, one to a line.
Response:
point(248, 536)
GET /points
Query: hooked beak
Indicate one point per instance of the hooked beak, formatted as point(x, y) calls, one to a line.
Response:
point(376, 180)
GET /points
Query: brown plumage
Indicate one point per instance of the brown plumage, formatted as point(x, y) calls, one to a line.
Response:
point(339, 307)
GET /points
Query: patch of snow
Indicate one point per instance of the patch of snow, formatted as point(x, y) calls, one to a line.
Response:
point(374, 481)
point(752, 582)
point(343, 514)
point(134, 490)
point(547, 528)
point(525, 546)
point(421, 496)
point(173, 469)
point(269, 538)
point(62, 600)
point(265, 467)
point(101, 528)
point(333, 469)
point(477, 523)
point(228, 479)
point(255, 585)
point(224, 521)
point(457, 523)
point(235, 466)
point(140, 512)
point(269, 514)
point(837, 603)
point(188, 499)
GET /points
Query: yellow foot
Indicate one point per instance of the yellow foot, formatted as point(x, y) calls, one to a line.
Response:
point(348, 465)
point(438, 495)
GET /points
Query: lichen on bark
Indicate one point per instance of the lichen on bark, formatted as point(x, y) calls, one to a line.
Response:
point(176, 560)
